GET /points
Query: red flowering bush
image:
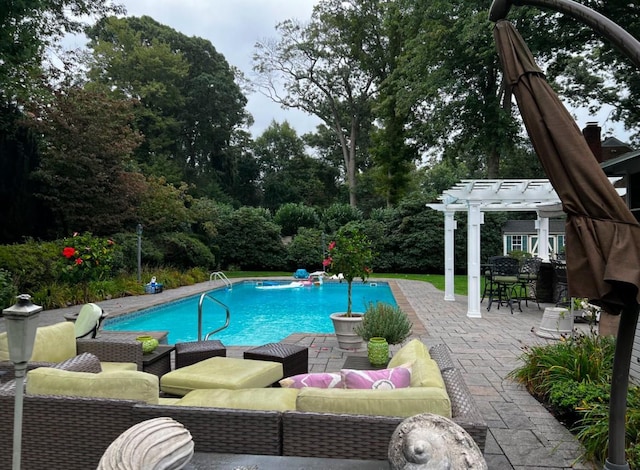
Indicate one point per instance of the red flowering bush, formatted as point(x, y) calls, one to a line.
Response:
point(86, 258)
point(350, 255)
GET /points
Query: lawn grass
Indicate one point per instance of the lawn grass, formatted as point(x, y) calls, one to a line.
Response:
point(459, 288)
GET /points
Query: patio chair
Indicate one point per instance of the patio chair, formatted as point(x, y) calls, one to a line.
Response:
point(528, 278)
point(88, 321)
point(561, 286)
point(504, 276)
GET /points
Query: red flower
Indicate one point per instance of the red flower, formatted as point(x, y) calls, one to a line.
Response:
point(332, 245)
point(79, 261)
point(326, 262)
point(68, 252)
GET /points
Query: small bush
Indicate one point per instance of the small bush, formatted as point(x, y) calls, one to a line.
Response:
point(183, 251)
point(8, 290)
point(291, 217)
point(386, 321)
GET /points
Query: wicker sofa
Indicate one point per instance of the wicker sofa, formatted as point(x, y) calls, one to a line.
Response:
point(73, 433)
point(56, 343)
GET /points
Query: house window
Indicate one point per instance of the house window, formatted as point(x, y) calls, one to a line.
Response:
point(517, 243)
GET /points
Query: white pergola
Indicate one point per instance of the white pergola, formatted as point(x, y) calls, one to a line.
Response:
point(478, 196)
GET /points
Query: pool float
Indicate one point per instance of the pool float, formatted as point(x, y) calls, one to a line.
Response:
point(291, 285)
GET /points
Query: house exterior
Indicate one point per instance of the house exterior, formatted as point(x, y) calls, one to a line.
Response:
point(522, 235)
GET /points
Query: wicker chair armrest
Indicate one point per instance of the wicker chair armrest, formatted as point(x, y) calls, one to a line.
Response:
point(440, 354)
point(464, 410)
point(112, 350)
point(9, 368)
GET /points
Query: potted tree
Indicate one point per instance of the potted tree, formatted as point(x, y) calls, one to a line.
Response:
point(350, 256)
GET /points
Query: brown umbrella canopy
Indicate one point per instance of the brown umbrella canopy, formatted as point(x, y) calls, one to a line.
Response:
point(602, 236)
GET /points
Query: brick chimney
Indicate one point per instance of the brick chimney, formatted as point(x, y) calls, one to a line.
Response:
point(591, 134)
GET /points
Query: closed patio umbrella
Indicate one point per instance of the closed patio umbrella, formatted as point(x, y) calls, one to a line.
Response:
point(602, 236)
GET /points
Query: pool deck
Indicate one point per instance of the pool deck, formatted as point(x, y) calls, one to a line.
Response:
point(522, 433)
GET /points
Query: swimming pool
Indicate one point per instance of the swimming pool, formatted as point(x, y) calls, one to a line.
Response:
point(258, 315)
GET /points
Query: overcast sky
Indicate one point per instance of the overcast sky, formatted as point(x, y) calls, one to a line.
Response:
point(233, 27)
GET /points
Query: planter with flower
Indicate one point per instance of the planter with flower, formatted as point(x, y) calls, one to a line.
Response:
point(85, 259)
point(349, 256)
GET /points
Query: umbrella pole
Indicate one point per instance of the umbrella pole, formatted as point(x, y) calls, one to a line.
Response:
point(619, 386)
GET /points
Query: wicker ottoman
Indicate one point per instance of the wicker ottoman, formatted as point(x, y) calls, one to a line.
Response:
point(294, 358)
point(221, 372)
point(196, 351)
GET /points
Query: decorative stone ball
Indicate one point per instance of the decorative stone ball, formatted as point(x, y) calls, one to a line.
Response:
point(431, 442)
point(149, 343)
point(154, 444)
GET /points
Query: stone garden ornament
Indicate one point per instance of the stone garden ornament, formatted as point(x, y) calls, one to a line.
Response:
point(432, 442)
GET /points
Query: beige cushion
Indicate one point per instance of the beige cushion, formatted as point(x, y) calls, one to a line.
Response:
point(414, 349)
point(265, 399)
point(118, 366)
point(403, 402)
point(424, 370)
point(221, 372)
point(126, 385)
point(53, 343)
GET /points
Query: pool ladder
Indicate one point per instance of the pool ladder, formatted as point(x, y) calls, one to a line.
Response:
point(223, 277)
point(204, 296)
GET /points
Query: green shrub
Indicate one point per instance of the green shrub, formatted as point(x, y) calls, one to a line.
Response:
point(249, 239)
point(593, 429)
point(184, 251)
point(291, 217)
point(8, 290)
point(31, 264)
point(570, 396)
point(584, 358)
point(305, 250)
point(337, 215)
point(386, 321)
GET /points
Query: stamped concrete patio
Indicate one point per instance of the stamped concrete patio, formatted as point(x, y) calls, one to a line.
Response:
point(522, 433)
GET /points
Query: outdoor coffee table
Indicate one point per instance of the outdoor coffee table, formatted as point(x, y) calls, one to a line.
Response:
point(158, 362)
point(361, 363)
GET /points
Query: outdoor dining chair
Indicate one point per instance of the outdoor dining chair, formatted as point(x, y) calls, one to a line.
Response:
point(504, 276)
point(528, 279)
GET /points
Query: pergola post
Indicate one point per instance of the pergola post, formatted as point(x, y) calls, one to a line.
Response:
point(473, 259)
point(542, 224)
point(450, 226)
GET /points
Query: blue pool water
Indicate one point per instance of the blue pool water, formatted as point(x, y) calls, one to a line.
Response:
point(258, 315)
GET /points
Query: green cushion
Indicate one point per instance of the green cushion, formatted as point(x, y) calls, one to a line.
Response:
point(221, 372)
point(505, 279)
point(424, 370)
point(125, 385)
point(403, 402)
point(53, 343)
point(414, 349)
point(265, 399)
point(118, 366)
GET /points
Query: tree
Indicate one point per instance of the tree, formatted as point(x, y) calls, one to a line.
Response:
point(321, 64)
point(288, 173)
point(87, 140)
point(191, 105)
point(30, 28)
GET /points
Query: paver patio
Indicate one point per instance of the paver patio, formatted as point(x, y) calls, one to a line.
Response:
point(522, 433)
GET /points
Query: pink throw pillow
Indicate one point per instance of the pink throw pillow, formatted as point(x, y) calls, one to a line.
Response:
point(384, 379)
point(318, 380)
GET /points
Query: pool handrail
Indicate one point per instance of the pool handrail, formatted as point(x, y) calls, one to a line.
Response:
point(222, 276)
point(227, 320)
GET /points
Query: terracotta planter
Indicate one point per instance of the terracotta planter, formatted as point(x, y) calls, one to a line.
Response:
point(344, 328)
